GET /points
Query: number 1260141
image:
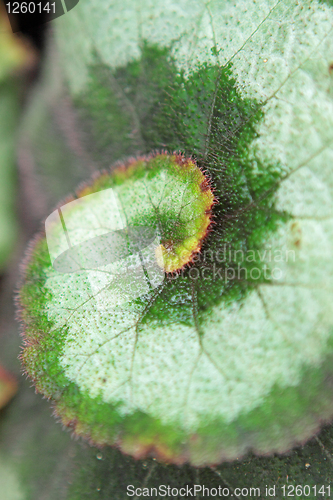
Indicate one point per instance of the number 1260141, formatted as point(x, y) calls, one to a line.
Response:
point(291, 490)
point(30, 7)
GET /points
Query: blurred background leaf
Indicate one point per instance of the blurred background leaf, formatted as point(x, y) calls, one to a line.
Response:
point(15, 58)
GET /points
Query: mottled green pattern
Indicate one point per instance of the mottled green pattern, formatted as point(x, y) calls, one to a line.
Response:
point(202, 115)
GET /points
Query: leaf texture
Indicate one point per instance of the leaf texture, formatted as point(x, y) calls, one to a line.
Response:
point(236, 351)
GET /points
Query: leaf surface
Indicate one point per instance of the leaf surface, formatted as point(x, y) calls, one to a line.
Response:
point(237, 349)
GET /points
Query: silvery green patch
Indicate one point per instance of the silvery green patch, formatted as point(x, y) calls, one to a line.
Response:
point(233, 349)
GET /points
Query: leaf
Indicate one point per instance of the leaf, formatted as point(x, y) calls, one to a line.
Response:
point(14, 57)
point(235, 353)
point(39, 460)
